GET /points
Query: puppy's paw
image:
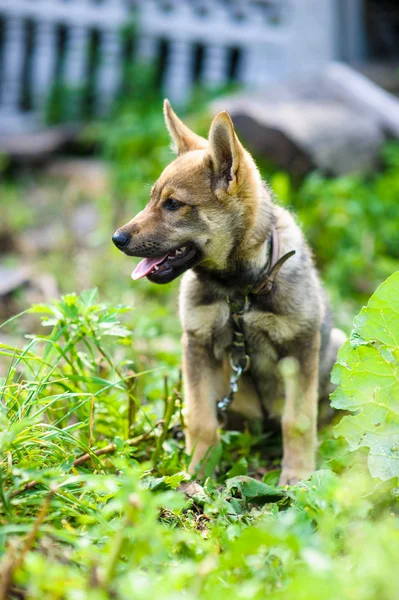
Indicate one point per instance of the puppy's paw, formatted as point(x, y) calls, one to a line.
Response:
point(286, 479)
point(291, 476)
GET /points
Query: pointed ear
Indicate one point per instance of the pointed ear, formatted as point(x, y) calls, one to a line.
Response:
point(183, 138)
point(224, 147)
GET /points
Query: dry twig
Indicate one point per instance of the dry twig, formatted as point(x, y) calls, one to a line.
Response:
point(13, 562)
point(110, 449)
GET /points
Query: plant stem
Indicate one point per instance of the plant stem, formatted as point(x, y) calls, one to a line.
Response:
point(91, 425)
point(131, 384)
point(170, 402)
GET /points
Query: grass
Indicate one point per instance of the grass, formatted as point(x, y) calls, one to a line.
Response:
point(97, 502)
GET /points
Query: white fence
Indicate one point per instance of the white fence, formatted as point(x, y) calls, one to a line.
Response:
point(210, 41)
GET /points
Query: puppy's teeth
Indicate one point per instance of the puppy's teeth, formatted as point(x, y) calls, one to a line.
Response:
point(178, 252)
point(156, 268)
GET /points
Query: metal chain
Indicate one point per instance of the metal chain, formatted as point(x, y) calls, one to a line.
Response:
point(239, 304)
point(239, 359)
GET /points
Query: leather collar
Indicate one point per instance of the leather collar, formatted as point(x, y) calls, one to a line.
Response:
point(274, 264)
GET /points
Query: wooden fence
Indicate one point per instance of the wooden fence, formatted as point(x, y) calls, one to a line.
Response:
point(207, 41)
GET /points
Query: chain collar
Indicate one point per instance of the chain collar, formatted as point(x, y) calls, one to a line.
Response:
point(239, 304)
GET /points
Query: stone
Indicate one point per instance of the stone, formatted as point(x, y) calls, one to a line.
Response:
point(87, 175)
point(41, 240)
point(34, 146)
point(12, 279)
point(357, 91)
point(335, 121)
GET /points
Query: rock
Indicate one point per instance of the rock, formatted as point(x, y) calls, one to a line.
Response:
point(42, 240)
point(359, 92)
point(8, 240)
point(43, 288)
point(335, 121)
point(300, 136)
point(191, 488)
point(268, 141)
point(34, 146)
point(12, 279)
point(37, 288)
point(84, 220)
point(86, 174)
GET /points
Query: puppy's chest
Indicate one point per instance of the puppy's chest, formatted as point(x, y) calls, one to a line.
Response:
point(264, 332)
point(260, 335)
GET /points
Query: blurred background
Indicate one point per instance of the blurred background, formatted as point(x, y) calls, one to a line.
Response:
point(311, 85)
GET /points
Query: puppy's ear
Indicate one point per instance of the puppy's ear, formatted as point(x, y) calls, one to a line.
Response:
point(225, 149)
point(183, 138)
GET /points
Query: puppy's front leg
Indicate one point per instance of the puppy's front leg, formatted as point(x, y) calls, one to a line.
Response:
point(299, 422)
point(203, 387)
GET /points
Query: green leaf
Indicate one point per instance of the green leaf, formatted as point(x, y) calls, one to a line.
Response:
point(239, 468)
point(253, 490)
point(167, 482)
point(119, 443)
point(89, 296)
point(367, 374)
point(272, 477)
point(213, 461)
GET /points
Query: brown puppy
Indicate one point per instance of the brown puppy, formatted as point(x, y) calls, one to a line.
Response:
point(211, 216)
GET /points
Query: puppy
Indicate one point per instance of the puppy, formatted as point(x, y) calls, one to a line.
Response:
point(250, 295)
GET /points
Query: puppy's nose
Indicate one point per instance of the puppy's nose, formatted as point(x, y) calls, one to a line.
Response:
point(120, 239)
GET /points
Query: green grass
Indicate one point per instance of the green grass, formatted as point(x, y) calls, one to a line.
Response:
point(94, 502)
point(89, 473)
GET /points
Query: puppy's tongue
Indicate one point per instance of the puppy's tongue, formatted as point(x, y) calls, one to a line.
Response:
point(145, 266)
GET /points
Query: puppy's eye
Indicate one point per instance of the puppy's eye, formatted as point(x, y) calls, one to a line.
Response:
point(172, 204)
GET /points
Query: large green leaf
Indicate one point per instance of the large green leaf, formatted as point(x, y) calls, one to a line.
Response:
point(253, 490)
point(367, 374)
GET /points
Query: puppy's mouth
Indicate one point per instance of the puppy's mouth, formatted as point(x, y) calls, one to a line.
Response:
point(169, 266)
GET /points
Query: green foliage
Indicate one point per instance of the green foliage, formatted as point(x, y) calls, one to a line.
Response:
point(367, 372)
point(135, 143)
point(64, 104)
point(351, 223)
point(96, 502)
point(56, 382)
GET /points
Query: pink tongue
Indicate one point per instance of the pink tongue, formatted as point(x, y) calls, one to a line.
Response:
point(146, 266)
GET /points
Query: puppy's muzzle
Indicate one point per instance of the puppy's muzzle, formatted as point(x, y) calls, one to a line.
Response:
point(121, 239)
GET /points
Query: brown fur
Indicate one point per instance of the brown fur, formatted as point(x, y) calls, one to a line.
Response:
point(228, 213)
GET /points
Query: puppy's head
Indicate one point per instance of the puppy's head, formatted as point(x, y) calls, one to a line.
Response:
point(199, 208)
